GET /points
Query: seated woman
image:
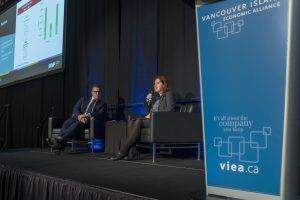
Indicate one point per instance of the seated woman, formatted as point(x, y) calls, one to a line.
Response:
point(162, 100)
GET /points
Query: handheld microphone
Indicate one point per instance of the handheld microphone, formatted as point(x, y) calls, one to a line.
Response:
point(150, 96)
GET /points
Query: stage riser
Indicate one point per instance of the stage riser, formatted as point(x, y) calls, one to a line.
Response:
point(18, 184)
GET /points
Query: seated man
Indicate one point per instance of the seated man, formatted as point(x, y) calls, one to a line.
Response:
point(80, 119)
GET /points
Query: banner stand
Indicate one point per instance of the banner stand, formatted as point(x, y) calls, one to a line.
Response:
point(250, 91)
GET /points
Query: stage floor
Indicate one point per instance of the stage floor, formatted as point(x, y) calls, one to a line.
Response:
point(168, 178)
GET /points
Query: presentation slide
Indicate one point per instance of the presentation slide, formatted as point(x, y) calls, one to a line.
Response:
point(31, 39)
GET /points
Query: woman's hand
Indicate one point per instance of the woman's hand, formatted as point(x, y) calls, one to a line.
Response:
point(149, 97)
point(148, 116)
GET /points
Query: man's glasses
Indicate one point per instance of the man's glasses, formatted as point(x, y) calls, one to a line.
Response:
point(96, 91)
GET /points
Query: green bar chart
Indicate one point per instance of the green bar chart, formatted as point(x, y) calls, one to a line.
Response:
point(56, 19)
point(51, 28)
point(45, 23)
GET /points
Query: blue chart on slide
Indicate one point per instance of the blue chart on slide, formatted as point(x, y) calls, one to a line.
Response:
point(6, 53)
point(39, 31)
point(7, 41)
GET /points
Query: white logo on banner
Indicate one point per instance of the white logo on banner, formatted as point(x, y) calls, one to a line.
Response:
point(225, 29)
point(247, 151)
point(4, 23)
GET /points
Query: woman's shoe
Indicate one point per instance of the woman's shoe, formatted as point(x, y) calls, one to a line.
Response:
point(119, 156)
point(58, 146)
point(49, 142)
point(133, 154)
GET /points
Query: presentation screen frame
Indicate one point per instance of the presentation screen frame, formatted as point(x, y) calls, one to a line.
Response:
point(24, 77)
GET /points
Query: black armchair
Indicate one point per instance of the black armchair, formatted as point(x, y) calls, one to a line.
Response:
point(173, 130)
point(54, 125)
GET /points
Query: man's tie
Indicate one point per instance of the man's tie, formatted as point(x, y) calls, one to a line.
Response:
point(90, 107)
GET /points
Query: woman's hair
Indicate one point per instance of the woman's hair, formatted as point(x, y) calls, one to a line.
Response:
point(163, 80)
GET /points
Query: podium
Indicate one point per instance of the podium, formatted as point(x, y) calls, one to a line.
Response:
point(249, 71)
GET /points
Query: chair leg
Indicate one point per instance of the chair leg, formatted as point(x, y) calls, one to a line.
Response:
point(72, 146)
point(198, 154)
point(92, 143)
point(153, 152)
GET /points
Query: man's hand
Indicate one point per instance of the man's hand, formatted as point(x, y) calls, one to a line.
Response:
point(87, 116)
point(80, 117)
point(83, 120)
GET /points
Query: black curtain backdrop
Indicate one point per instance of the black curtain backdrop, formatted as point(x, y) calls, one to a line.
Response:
point(119, 44)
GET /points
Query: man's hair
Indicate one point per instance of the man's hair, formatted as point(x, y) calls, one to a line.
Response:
point(97, 86)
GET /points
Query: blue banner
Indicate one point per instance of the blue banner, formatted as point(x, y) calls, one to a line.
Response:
point(243, 61)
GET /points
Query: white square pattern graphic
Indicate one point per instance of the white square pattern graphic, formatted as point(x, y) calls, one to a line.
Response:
point(246, 151)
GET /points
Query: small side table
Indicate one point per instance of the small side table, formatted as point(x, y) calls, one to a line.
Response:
point(115, 136)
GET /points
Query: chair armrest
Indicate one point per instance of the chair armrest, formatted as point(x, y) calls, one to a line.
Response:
point(176, 127)
point(92, 128)
point(54, 122)
point(50, 126)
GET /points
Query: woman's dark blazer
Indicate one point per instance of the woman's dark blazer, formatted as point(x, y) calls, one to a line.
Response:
point(167, 102)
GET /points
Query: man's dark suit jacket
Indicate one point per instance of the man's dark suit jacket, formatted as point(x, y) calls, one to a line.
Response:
point(99, 113)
